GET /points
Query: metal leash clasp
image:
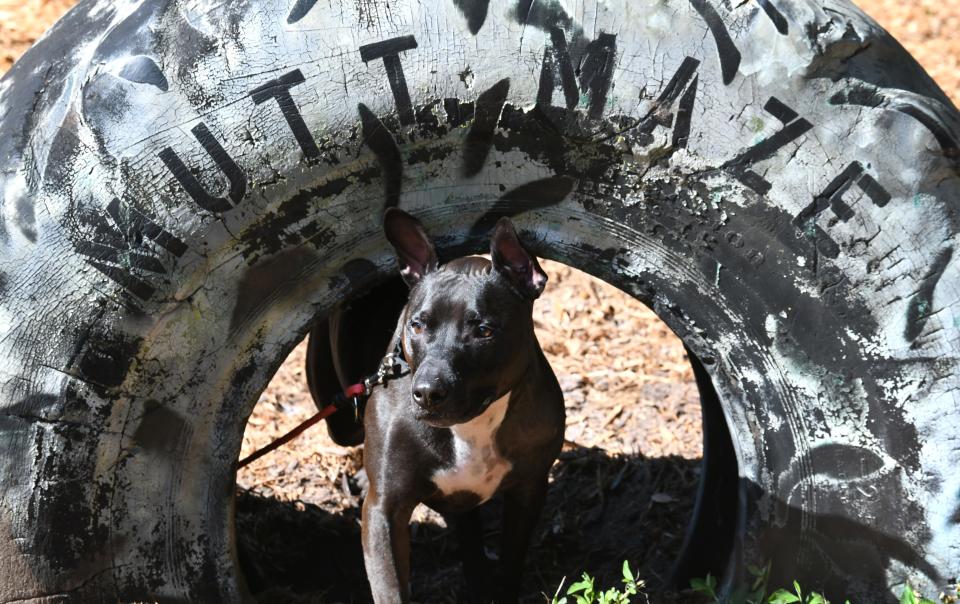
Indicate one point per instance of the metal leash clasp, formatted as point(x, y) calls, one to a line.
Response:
point(390, 367)
point(352, 396)
point(384, 371)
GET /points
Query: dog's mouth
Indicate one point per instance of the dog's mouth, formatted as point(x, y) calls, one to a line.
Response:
point(437, 420)
point(452, 415)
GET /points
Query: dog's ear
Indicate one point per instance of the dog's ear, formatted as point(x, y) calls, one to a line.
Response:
point(512, 261)
point(415, 251)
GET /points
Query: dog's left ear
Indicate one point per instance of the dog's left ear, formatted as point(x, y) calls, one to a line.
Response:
point(512, 261)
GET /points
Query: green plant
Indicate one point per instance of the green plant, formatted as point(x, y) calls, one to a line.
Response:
point(585, 591)
point(782, 596)
point(910, 596)
point(756, 593)
point(707, 587)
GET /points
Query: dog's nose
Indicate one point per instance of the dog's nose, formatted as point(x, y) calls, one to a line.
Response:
point(429, 394)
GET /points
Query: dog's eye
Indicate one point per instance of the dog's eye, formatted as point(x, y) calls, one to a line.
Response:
point(484, 331)
point(416, 326)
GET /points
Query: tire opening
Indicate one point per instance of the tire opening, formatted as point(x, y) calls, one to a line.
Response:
point(644, 476)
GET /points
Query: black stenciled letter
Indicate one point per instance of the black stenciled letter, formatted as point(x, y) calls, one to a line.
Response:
point(682, 85)
point(300, 10)
point(238, 180)
point(116, 247)
point(279, 89)
point(775, 16)
point(726, 49)
point(832, 197)
point(389, 51)
point(794, 127)
point(595, 72)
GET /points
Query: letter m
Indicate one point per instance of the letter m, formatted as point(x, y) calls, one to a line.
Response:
point(592, 77)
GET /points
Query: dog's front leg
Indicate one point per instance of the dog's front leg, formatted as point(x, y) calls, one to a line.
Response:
point(521, 510)
point(386, 549)
point(476, 566)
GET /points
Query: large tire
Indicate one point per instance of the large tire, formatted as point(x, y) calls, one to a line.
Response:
point(187, 187)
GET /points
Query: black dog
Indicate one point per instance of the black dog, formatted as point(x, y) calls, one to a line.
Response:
point(479, 414)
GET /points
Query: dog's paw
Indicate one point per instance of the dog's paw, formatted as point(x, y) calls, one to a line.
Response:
point(362, 483)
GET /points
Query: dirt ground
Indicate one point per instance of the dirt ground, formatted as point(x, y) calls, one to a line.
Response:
point(633, 418)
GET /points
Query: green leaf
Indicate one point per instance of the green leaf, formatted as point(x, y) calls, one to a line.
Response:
point(908, 597)
point(782, 596)
point(579, 586)
point(761, 576)
point(739, 596)
point(816, 598)
point(627, 573)
point(796, 587)
point(704, 586)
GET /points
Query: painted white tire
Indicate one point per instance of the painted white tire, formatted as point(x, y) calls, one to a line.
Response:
point(188, 186)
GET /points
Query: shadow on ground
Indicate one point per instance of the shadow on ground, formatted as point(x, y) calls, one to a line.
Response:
point(600, 510)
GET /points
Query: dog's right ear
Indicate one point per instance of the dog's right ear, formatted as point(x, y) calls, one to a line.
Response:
point(415, 251)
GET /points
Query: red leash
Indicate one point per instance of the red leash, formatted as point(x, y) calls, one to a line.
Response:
point(292, 434)
point(392, 366)
point(355, 391)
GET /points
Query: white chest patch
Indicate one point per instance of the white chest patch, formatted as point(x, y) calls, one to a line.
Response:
point(478, 466)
